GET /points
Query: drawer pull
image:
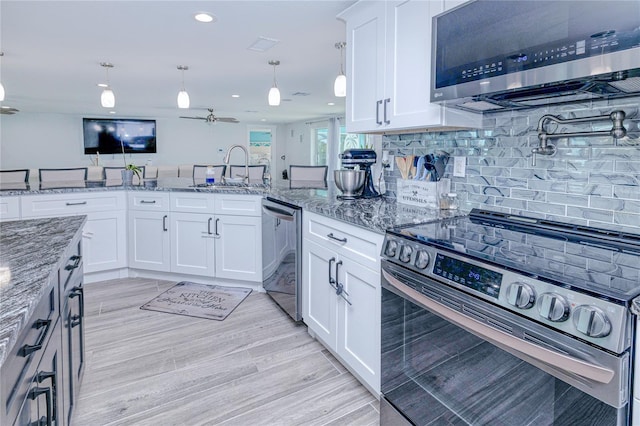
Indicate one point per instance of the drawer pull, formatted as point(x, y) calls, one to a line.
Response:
point(81, 203)
point(341, 240)
point(147, 202)
point(164, 223)
point(27, 350)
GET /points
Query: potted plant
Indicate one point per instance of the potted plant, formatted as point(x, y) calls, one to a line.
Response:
point(129, 169)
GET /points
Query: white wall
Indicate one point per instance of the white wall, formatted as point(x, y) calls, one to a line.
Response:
point(33, 140)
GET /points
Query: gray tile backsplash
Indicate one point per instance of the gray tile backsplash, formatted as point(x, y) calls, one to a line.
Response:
point(591, 180)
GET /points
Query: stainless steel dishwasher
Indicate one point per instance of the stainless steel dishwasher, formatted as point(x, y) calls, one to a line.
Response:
point(282, 254)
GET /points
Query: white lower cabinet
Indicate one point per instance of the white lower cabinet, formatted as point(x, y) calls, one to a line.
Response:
point(104, 241)
point(192, 243)
point(185, 233)
point(149, 240)
point(341, 295)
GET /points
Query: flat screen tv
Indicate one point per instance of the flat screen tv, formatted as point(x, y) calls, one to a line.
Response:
point(109, 135)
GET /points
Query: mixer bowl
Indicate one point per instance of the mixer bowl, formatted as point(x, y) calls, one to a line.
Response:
point(349, 181)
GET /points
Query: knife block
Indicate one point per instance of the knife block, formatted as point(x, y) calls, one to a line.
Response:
point(422, 193)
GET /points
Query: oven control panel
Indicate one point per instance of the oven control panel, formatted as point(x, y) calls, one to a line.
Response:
point(601, 322)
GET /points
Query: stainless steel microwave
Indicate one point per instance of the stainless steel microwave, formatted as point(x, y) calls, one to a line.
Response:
point(490, 55)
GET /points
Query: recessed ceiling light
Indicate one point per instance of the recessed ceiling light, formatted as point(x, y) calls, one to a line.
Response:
point(235, 96)
point(263, 119)
point(102, 85)
point(204, 17)
point(331, 103)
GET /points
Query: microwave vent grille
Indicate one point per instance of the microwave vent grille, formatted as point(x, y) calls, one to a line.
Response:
point(630, 85)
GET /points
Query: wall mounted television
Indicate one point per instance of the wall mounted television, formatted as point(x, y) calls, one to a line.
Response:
point(109, 135)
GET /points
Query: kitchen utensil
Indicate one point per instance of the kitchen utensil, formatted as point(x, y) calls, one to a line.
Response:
point(349, 181)
point(439, 165)
point(411, 169)
point(401, 162)
point(421, 171)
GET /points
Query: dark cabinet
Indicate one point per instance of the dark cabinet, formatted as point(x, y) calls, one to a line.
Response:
point(72, 331)
point(42, 372)
point(43, 402)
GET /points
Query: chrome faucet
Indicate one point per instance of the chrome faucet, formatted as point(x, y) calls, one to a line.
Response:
point(246, 160)
point(266, 177)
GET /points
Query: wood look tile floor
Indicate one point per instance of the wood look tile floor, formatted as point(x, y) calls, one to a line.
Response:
point(254, 368)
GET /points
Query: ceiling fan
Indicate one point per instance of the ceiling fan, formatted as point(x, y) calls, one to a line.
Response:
point(8, 110)
point(211, 118)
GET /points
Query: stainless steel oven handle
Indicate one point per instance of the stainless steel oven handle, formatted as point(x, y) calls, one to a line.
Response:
point(569, 364)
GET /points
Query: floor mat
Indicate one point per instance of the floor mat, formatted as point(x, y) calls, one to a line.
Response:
point(198, 300)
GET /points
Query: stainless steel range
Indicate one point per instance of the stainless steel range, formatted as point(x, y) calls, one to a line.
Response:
point(493, 319)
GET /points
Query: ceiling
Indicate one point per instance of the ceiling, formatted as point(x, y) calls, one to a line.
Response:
point(53, 49)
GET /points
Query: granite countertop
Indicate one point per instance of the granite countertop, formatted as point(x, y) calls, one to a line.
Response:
point(378, 214)
point(30, 250)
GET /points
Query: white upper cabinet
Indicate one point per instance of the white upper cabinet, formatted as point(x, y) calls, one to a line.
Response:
point(389, 68)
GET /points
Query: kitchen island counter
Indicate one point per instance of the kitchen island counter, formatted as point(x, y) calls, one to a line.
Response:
point(30, 252)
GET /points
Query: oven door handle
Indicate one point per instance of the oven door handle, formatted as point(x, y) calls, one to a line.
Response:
point(499, 338)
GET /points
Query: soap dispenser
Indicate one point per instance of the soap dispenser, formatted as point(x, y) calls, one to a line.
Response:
point(210, 176)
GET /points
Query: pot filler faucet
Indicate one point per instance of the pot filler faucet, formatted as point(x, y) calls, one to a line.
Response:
point(227, 156)
point(545, 148)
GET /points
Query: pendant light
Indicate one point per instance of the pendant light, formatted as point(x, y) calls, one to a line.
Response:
point(183, 96)
point(340, 85)
point(1, 86)
point(274, 92)
point(107, 98)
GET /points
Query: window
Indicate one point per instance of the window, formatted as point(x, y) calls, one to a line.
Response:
point(259, 146)
point(320, 140)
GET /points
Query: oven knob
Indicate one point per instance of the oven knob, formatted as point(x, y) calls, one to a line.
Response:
point(422, 259)
point(591, 321)
point(521, 295)
point(391, 248)
point(405, 254)
point(553, 307)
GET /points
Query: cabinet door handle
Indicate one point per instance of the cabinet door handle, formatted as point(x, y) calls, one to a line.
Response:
point(27, 350)
point(209, 226)
point(34, 394)
point(386, 102)
point(341, 240)
point(332, 282)
point(81, 203)
point(76, 259)
point(76, 320)
point(378, 103)
point(337, 280)
point(44, 375)
point(215, 231)
point(75, 292)
point(164, 223)
point(147, 202)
